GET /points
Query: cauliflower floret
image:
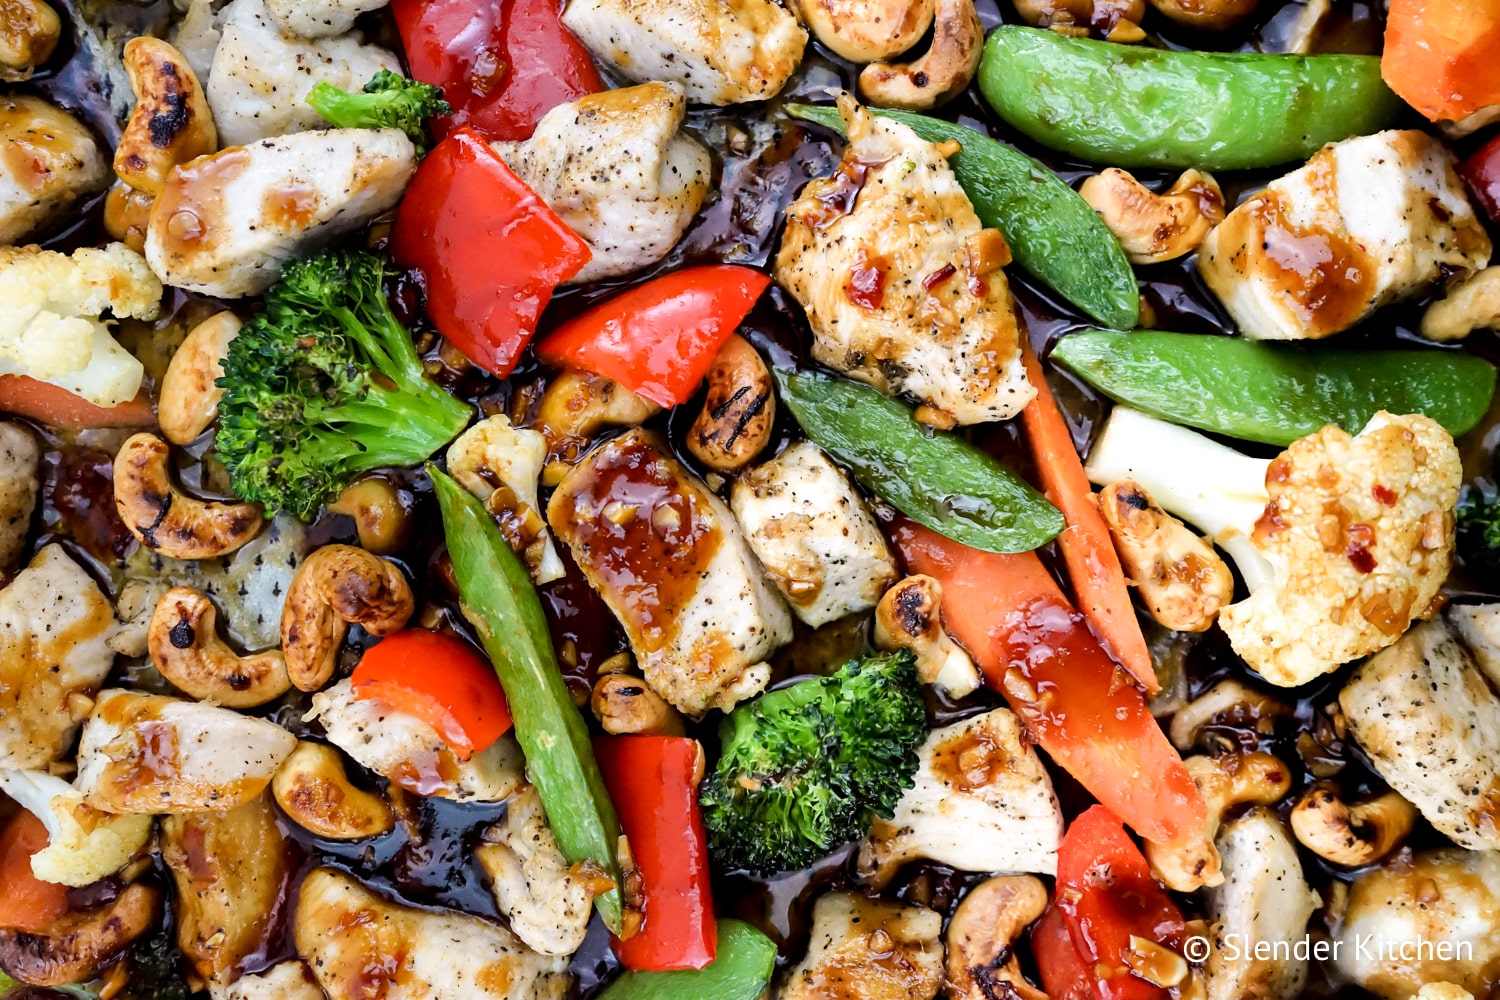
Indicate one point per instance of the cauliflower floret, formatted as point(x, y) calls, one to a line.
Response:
point(500, 464)
point(50, 326)
point(84, 845)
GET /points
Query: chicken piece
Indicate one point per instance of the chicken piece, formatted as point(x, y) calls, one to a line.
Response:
point(19, 485)
point(225, 223)
point(1430, 725)
point(901, 282)
point(982, 802)
point(545, 901)
point(409, 752)
point(618, 168)
point(232, 871)
point(1478, 627)
point(319, 18)
point(1424, 919)
point(669, 560)
point(50, 163)
point(359, 946)
point(261, 76)
point(1367, 221)
point(813, 534)
point(1264, 898)
point(865, 949)
point(55, 627)
point(1443, 991)
point(282, 981)
point(501, 465)
point(721, 53)
point(144, 753)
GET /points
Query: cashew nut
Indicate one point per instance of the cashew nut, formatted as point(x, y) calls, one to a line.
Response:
point(314, 791)
point(381, 516)
point(1234, 779)
point(982, 936)
point(78, 945)
point(1351, 835)
point(625, 704)
point(335, 587)
point(186, 648)
point(1228, 702)
point(1155, 227)
point(29, 31)
point(1472, 304)
point(127, 213)
point(575, 407)
point(168, 521)
point(738, 410)
point(189, 397)
point(170, 123)
point(1105, 15)
point(1181, 579)
point(863, 31)
point(909, 616)
point(1206, 15)
point(937, 75)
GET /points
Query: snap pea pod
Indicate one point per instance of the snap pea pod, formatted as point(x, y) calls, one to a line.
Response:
point(935, 478)
point(496, 596)
point(740, 970)
point(1132, 106)
point(1052, 231)
point(1275, 393)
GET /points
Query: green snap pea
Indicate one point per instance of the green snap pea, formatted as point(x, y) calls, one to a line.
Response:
point(741, 968)
point(1275, 393)
point(935, 478)
point(1052, 232)
point(1133, 106)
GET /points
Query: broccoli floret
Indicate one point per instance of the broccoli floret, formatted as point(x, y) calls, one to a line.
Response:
point(808, 767)
point(389, 100)
point(1479, 535)
point(324, 385)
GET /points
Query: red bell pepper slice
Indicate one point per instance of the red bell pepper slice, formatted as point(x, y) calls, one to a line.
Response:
point(440, 679)
point(1482, 173)
point(1106, 895)
point(26, 902)
point(1064, 976)
point(1035, 649)
point(489, 249)
point(502, 64)
point(653, 781)
point(659, 339)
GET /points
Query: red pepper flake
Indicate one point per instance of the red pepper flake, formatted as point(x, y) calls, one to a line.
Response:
point(866, 284)
point(939, 276)
point(1384, 494)
point(978, 287)
point(1361, 537)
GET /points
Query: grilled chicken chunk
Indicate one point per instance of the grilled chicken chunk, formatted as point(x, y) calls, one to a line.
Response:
point(283, 981)
point(1367, 221)
point(672, 564)
point(901, 283)
point(720, 52)
point(51, 162)
point(1478, 627)
point(319, 18)
point(225, 223)
point(546, 902)
point(360, 946)
point(620, 171)
point(19, 458)
point(864, 949)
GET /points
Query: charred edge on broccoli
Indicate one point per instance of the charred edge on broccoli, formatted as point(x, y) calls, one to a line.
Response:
point(389, 100)
point(324, 385)
point(809, 767)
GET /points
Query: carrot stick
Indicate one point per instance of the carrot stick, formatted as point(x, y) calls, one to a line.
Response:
point(1093, 567)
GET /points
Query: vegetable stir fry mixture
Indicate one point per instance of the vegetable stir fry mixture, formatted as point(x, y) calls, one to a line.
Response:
point(749, 500)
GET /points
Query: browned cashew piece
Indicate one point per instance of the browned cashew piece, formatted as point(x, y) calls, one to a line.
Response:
point(314, 790)
point(982, 936)
point(381, 518)
point(1155, 227)
point(864, 31)
point(574, 407)
point(73, 949)
point(1229, 702)
point(127, 213)
point(29, 32)
point(335, 587)
point(738, 410)
point(189, 399)
point(170, 123)
point(626, 705)
point(1472, 304)
point(168, 521)
point(937, 75)
point(1206, 15)
point(909, 616)
point(1106, 16)
point(185, 646)
point(1351, 835)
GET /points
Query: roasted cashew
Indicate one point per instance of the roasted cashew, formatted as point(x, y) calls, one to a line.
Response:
point(29, 31)
point(170, 123)
point(1108, 16)
point(1155, 227)
point(186, 648)
point(864, 31)
point(738, 410)
point(189, 398)
point(1206, 15)
point(73, 949)
point(314, 791)
point(168, 521)
point(937, 75)
point(1472, 304)
point(1181, 579)
point(335, 587)
point(625, 704)
point(127, 213)
point(575, 407)
point(1227, 781)
point(1360, 834)
point(381, 517)
point(909, 616)
point(1228, 700)
point(982, 936)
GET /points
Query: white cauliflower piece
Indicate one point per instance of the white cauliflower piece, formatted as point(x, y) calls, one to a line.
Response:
point(84, 845)
point(501, 464)
point(50, 325)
